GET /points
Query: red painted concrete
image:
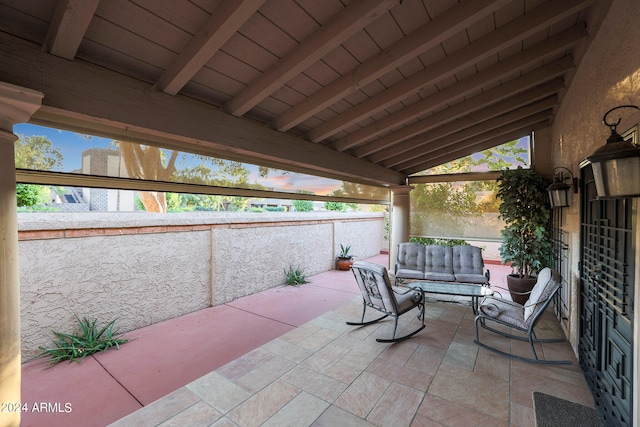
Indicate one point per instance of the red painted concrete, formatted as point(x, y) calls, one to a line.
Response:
point(163, 357)
point(86, 395)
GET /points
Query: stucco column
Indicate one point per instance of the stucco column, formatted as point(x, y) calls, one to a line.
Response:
point(16, 106)
point(399, 220)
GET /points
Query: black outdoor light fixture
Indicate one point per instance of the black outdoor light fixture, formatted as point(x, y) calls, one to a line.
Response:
point(559, 190)
point(616, 165)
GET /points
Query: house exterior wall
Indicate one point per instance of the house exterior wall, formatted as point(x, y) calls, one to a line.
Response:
point(145, 268)
point(608, 76)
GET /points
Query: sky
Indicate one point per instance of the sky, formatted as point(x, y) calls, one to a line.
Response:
point(72, 144)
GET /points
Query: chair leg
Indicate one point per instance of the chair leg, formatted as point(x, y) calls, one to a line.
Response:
point(531, 338)
point(404, 337)
point(362, 322)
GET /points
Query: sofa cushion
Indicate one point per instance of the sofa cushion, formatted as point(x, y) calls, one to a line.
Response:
point(510, 313)
point(547, 281)
point(480, 279)
point(410, 257)
point(406, 273)
point(467, 260)
point(438, 259)
point(439, 277)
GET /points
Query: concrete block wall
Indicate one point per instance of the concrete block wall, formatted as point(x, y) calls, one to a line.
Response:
point(143, 268)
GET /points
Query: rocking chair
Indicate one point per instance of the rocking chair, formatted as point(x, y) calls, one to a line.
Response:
point(379, 294)
point(521, 318)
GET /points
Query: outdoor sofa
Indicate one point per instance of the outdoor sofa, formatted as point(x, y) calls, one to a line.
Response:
point(439, 263)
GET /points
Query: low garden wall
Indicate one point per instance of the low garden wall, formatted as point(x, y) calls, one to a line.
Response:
point(144, 268)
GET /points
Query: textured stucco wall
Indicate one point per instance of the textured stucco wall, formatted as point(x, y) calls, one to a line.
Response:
point(136, 279)
point(608, 76)
point(141, 269)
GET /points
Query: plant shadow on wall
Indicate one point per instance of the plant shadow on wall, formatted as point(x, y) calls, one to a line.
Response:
point(526, 211)
point(89, 340)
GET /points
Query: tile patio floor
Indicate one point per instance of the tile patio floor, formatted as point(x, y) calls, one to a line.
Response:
point(285, 357)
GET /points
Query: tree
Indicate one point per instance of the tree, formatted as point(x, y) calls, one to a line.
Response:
point(29, 195)
point(148, 162)
point(37, 153)
point(221, 173)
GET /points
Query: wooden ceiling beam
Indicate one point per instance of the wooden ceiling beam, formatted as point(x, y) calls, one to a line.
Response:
point(446, 25)
point(452, 152)
point(462, 151)
point(224, 22)
point(86, 96)
point(510, 88)
point(515, 31)
point(499, 108)
point(68, 25)
point(458, 90)
point(427, 147)
point(330, 35)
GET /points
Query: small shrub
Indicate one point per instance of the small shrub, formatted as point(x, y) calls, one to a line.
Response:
point(295, 276)
point(335, 206)
point(303, 205)
point(90, 340)
point(432, 241)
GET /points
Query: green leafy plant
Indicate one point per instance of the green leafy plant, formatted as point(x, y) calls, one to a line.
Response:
point(89, 340)
point(525, 208)
point(335, 206)
point(295, 276)
point(344, 252)
point(303, 205)
point(433, 241)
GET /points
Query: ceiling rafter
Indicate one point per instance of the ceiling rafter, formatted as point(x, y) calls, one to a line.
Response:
point(329, 36)
point(426, 37)
point(456, 91)
point(512, 87)
point(68, 26)
point(219, 28)
point(482, 143)
point(505, 36)
point(446, 150)
point(362, 90)
point(502, 106)
point(446, 136)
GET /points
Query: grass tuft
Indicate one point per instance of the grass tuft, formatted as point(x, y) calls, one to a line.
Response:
point(295, 276)
point(89, 340)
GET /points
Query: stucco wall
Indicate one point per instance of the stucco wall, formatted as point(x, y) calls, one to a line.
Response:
point(608, 76)
point(141, 269)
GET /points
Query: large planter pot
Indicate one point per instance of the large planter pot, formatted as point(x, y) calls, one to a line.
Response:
point(344, 264)
point(520, 284)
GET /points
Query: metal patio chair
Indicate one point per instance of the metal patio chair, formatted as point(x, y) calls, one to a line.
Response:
point(522, 318)
point(379, 294)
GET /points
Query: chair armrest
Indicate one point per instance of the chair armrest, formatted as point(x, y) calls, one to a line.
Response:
point(501, 300)
point(395, 291)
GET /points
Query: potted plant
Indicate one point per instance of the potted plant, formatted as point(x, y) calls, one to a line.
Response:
point(526, 211)
point(344, 260)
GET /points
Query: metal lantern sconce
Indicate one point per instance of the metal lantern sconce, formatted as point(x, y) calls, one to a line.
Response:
point(616, 165)
point(559, 190)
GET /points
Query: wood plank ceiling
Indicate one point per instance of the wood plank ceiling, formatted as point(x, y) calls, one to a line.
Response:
point(403, 85)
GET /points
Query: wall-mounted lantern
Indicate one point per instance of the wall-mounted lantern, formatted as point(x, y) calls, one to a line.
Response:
point(559, 190)
point(616, 165)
